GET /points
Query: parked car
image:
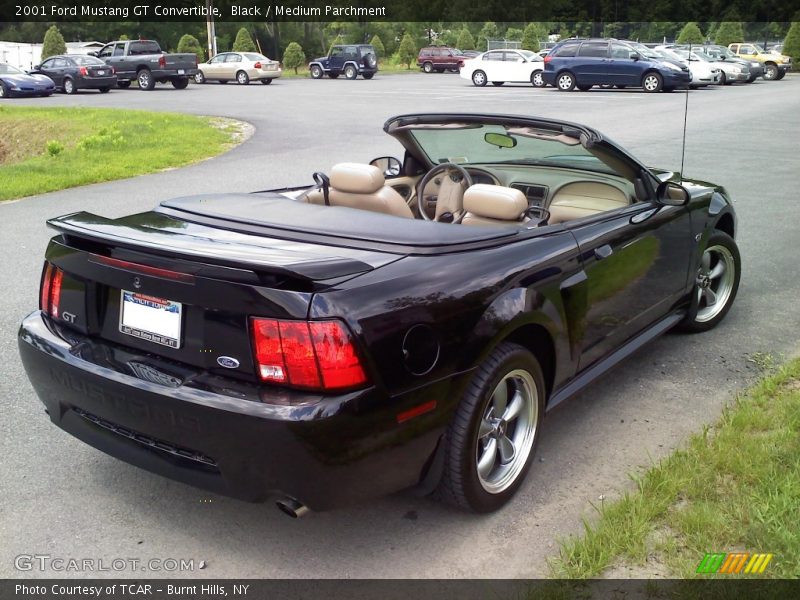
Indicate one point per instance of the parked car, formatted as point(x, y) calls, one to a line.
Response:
point(701, 69)
point(145, 62)
point(348, 60)
point(241, 67)
point(501, 66)
point(330, 343)
point(439, 59)
point(468, 53)
point(775, 65)
point(722, 53)
point(730, 71)
point(583, 63)
point(16, 82)
point(73, 72)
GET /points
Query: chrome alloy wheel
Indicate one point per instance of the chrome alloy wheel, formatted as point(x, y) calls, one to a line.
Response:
point(507, 431)
point(715, 280)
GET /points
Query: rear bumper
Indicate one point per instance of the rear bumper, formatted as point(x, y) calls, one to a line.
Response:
point(227, 436)
point(94, 83)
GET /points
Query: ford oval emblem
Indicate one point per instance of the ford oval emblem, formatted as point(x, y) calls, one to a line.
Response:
point(227, 362)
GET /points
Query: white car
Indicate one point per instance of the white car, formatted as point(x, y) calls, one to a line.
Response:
point(703, 72)
point(504, 66)
point(730, 71)
point(241, 67)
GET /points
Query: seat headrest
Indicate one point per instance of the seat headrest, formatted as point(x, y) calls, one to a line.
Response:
point(356, 178)
point(495, 202)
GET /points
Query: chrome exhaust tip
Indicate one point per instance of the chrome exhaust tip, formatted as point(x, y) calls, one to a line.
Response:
point(291, 507)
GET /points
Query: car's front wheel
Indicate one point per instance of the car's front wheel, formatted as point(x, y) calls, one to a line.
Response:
point(652, 82)
point(489, 444)
point(537, 80)
point(316, 72)
point(105, 89)
point(770, 72)
point(565, 82)
point(498, 83)
point(781, 75)
point(3, 90)
point(199, 77)
point(716, 283)
point(427, 67)
point(479, 78)
point(123, 84)
point(266, 81)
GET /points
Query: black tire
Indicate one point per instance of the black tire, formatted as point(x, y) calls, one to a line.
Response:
point(69, 86)
point(145, 79)
point(333, 75)
point(584, 87)
point(440, 70)
point(316, 72)
point(565, 81)
point(180, 83)
point(498, 83)
point(771, 72)
point(461, 485)
point(427, 67)
point(105, 90)
point(242, 78)
point(123, 85)
point(222, 81)
point(4, 93)
point(266, 81)
point(350, 72)
point(479, 78)
point(371, 61)
point(199, 77)
point(669, 89)
point(620, 87)
point(537, 79)
point(652, 82)
point(752, 78)
point(721, 248)
point(723, 80)
point(781, 75)
point(368, 75)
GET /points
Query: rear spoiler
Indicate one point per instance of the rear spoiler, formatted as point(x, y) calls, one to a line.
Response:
point(214, 246)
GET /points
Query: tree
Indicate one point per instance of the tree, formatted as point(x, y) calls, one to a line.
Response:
point(512, 33)
point(729, 32)
point(376, 42)
point(407, 53)
point(53, 43)
point(465, 40)
point(691, 34)
point(488, 32)
point(243, 42)
point(791, 44)
point(294, 56)
point(189, 43)
point(532, 36)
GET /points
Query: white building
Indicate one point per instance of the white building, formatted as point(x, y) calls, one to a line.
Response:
point(83, 47)
point(25, 56)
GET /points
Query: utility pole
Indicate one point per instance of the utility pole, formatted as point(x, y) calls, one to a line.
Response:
point(211, 31)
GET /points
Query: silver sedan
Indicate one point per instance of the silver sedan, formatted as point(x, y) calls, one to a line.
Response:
point(241, 67)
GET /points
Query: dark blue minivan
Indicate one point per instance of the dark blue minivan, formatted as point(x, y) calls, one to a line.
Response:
point(583, 63)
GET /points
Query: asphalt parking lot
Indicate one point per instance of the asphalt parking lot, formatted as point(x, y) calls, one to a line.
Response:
point(65, 499)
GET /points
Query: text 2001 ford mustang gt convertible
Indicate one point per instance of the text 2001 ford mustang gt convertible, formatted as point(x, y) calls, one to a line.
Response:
point(397, 324)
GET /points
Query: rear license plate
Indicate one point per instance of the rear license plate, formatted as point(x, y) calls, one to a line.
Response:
point(181, 71)
point(149, 318)
point(102, 72)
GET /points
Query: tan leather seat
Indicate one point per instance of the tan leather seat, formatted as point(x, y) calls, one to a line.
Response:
point(583, 199)
point(363, 186)
point(494, 205)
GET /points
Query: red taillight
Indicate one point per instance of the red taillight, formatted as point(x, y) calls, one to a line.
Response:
point(306, 354)
point(142, 269)
point(50, 294)
point(84, 71)
point(548, 58)
point(257, 65)
point(162, 61)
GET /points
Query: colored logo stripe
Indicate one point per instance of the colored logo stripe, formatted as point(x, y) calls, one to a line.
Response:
point(734, 563)
point(758, 563)
point(711, 562)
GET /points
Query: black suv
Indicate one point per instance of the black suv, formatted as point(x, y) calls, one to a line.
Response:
point(347, 59)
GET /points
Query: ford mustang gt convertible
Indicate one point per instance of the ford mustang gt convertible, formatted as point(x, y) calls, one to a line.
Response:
point(405, 323)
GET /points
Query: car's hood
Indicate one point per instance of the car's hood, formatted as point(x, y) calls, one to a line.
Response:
point(22, 79)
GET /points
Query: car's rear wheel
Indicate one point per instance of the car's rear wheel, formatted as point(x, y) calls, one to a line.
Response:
point(180, 83)
point(266, 81)
point(199, 77)
point(242, 78)
point(584, 88)
point(368, 75)
point(316, 72)
point(781, 75)
point(565, 82)
point(716, 283)
point(479, 78)
point(145, 80)
point(105, 90)
point(123, 84)
point(350, 72)
point(427, 67)
point(537, 80)
point(652, 82)
point(3, 90)
point(770, 72)
point(498, 83)
point(332, 75)
point(69, 86)
point(223, 81)
point(489, 444)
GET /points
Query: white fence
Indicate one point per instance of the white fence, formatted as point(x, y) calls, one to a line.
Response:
point(503, 44)
point(20, 55)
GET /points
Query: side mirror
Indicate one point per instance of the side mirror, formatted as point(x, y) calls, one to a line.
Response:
point(670, 193)
point(635, 55)
point(36, 67)
point(389, 165)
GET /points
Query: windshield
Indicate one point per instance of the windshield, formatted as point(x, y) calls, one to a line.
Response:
point(510, 144)
point(531, 56)
point(667, 53)
point(87, 60)
point(644, 50)
point(9, 70)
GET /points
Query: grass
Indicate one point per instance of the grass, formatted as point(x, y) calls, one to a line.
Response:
point(735, 487)
point(48, 149)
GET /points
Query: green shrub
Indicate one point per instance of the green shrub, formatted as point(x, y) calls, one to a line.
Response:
point(294, 56)
point(691, 34)
point(376, 42)
point(465, 40)
point(791, 45)
point(54, 148)
point(243, 42)
point(729, 32)
point(532, 36)
point(407, 53)
point(53, 43)
point(190, 44)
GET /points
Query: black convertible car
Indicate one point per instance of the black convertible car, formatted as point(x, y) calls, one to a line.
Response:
point(404, 323)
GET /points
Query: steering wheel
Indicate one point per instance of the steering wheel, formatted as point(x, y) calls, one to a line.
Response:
point(450, 198)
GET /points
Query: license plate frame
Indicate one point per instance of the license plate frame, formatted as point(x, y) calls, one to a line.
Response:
point(164, 318)
point(181, 71)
